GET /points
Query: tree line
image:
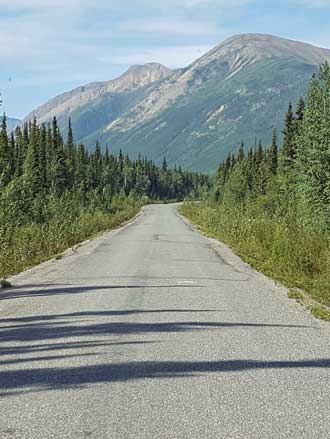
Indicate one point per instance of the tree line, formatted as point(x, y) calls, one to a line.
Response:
point(55, 193)
point(295, 176)
point(36, 161)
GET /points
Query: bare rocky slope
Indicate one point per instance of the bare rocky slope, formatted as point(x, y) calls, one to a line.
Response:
point(195, 115)
point(65, 104)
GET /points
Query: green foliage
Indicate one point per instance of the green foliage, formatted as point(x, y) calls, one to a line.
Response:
point(55, 194)
point(5, 283)
point(292, 255)
point(273, 155)
point(314, 149)
point(321, 313)
point(6, 156)
point(32, 243)
point(274, 206)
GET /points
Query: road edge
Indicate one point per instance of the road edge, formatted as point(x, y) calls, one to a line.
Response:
point(228, 254)
point(72, 250)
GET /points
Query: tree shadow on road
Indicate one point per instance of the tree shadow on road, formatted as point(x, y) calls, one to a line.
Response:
point(112, 313)
point(40, 290)
point(20, 350)
point(28, 291)
point(60, 327)
point(78, 377)
point(56, 338)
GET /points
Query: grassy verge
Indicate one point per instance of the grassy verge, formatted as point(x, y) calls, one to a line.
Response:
point(27, 246)
point(293, 255)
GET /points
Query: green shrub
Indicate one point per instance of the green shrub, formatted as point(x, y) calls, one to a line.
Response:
point(292, 253)
point(27, 245)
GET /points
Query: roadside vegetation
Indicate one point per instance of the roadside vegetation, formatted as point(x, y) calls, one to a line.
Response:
point(273, 204)
point(55, 194)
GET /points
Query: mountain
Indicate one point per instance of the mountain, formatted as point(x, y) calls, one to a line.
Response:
point(11, 123)
point(194, 116)
point(111, 96)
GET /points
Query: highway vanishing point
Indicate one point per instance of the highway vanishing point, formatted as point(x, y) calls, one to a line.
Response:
point(155, 331)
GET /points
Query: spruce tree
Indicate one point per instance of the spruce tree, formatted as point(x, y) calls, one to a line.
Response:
point(164, 165)
point(81, 167)
point(241, 154)
point(32, 165)
point(250, 169)
point(232, 162)
point(226, 169)
point(289, 147)
point(19, 152)
point(6, 159)
point(259, 156)
point(42, 140)
point(301, 107)
point(70, 156)
point(314, 147)
point(58, 172)
point(273, 155)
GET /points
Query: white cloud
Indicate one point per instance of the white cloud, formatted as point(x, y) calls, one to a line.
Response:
point(171, 56)
point(53, 38)
point(169, 27)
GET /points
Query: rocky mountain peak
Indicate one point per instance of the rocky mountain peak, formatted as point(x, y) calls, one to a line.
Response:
point(133, 78)
point(139, 76)
point(243, 49)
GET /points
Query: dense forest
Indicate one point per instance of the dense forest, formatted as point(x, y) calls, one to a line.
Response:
point(273, 204)
point(54, 193)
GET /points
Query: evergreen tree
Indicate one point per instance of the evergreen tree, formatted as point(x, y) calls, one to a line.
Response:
point(70, 151)
point(232, 162)
point(314, 146)
point(259, 155)
point(241, 155)
point(32, 165)
point(19, 153)
point(42, 145)
point(164, 165)
point(289, 147)
point(6, 164)
point(273, 155)
point(227, 168)
point(58, 172)
point(301, 107)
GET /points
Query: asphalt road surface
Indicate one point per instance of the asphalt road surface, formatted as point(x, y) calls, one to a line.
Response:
point(155, 331)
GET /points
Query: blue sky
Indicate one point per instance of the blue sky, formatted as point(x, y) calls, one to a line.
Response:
point(51, 46)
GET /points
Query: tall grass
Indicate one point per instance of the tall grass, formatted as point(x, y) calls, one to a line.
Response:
point(293, 254)
point(27, 245)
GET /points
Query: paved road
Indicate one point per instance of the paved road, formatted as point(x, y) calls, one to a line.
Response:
point(155, 331)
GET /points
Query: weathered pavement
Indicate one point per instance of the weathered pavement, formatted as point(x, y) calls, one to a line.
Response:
point(155, 331)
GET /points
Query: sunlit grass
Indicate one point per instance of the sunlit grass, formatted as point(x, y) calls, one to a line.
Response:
point(292, 254)
point(26, 246)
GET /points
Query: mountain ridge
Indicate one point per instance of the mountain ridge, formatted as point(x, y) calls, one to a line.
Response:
point(197, 114)
point(136, 76)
